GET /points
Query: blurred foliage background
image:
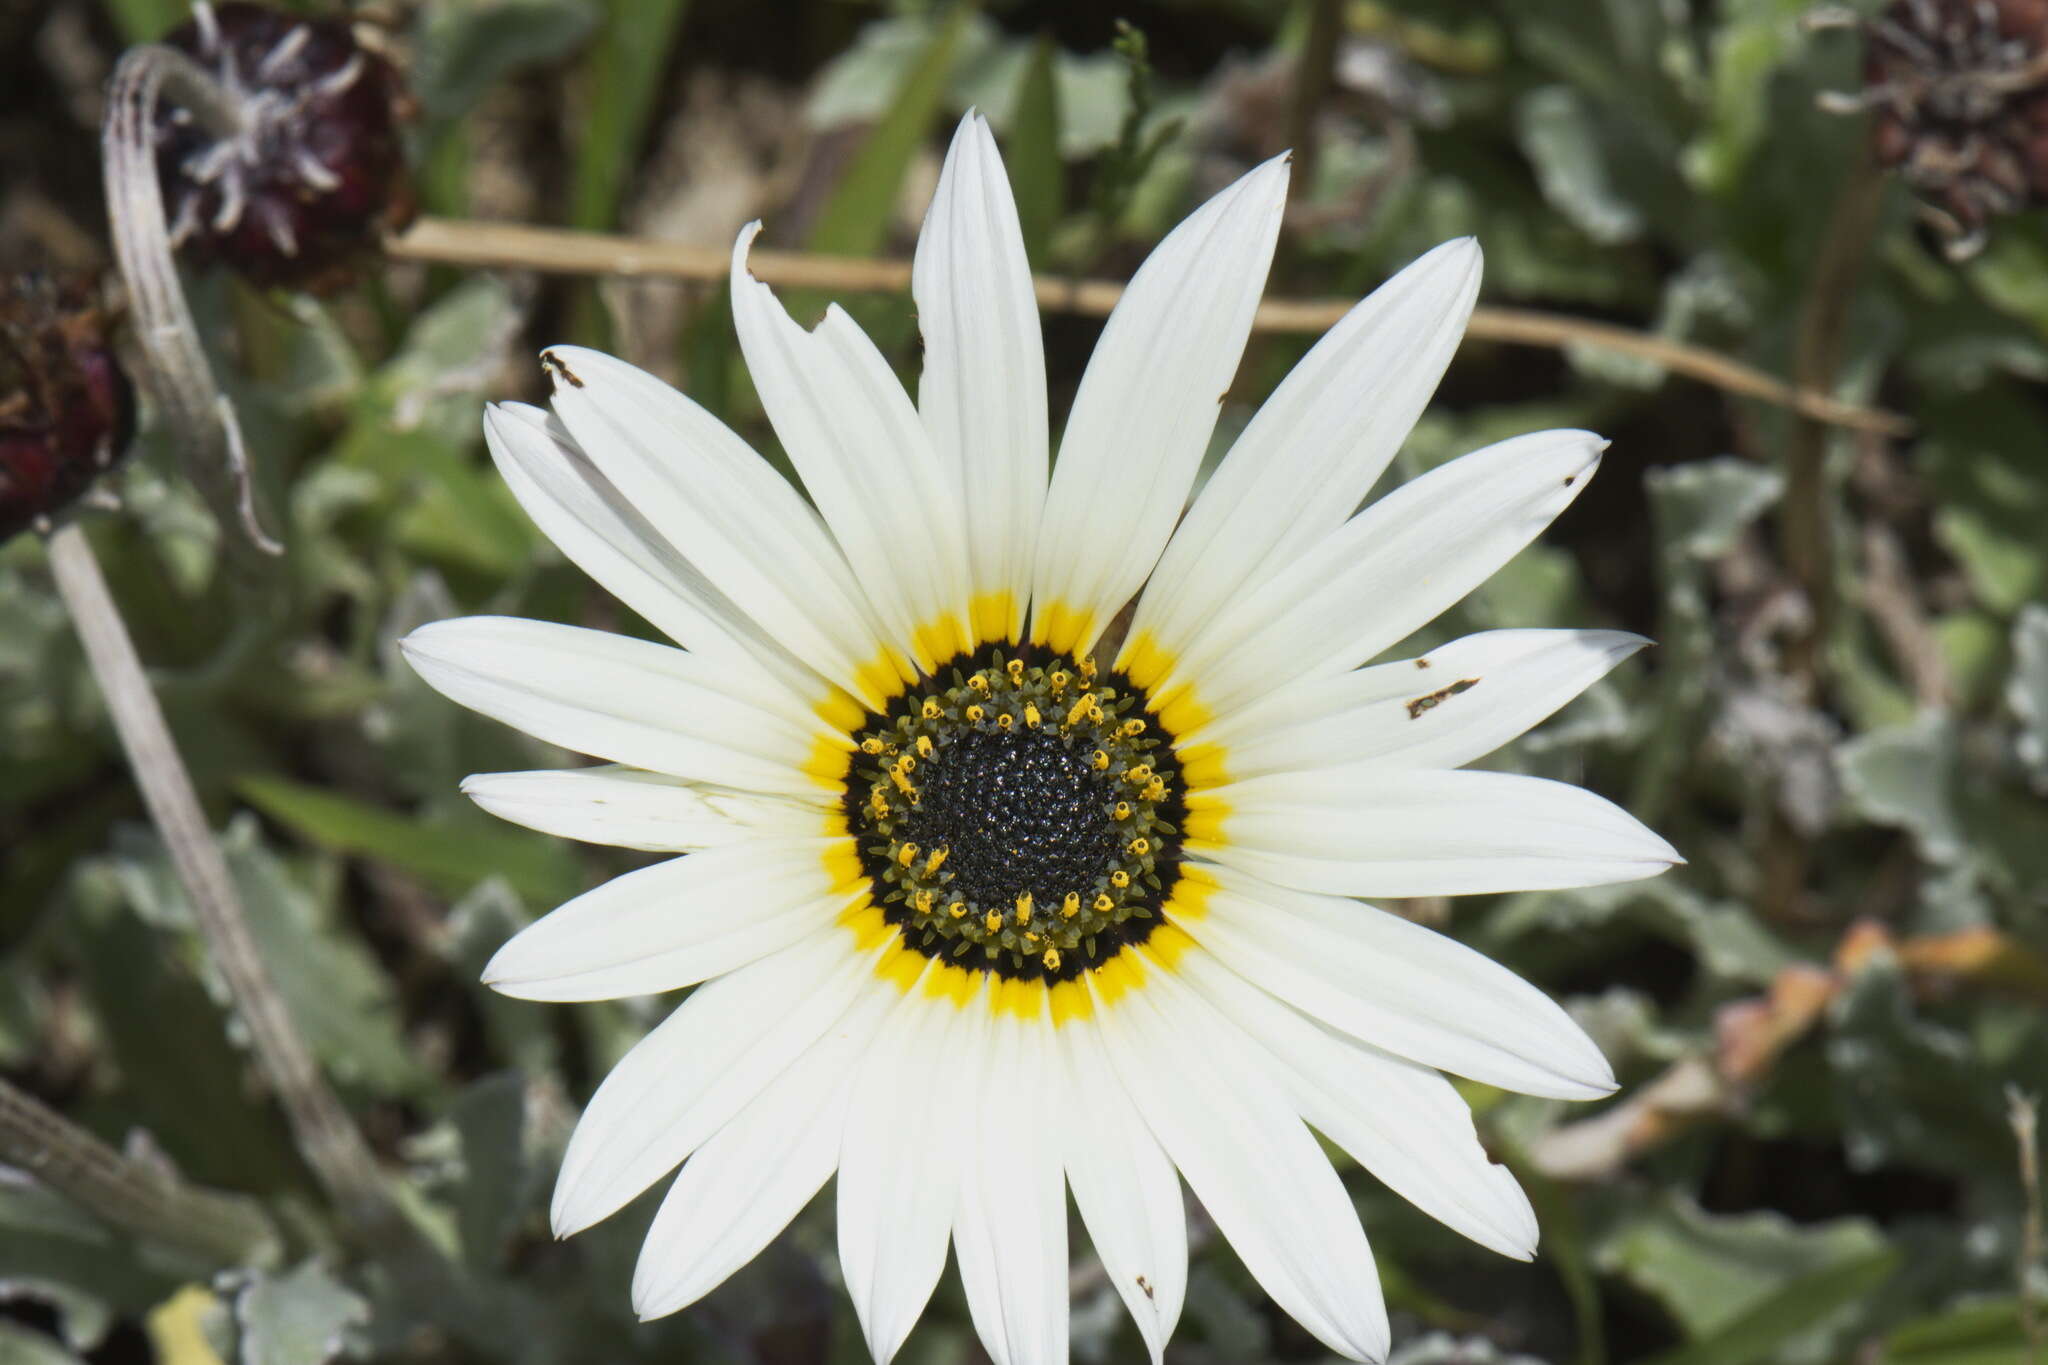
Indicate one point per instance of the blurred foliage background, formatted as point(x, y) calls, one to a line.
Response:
point(1826, 1024)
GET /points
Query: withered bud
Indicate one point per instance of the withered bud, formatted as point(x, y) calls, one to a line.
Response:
point(1958, 90)
point(301, 192)
point(67, 413)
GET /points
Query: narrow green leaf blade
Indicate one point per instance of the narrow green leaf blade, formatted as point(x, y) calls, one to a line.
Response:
point(855, 220)
point(621, 75)
point(539, 869)
point(1034, 152)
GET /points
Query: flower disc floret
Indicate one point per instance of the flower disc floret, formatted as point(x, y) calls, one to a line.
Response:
point(1018, 816)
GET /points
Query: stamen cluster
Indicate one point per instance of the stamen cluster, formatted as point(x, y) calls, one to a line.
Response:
point(1021, 818)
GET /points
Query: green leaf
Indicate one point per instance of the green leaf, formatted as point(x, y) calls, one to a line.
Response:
point(54, 1254)
point(621, 78)
point(145, 21)
point(451, 859)
point(1910, 1090)
point(2027, 692)
point(20, 1346)
point(1988, 1333)
point(1792, 1311)
point(301, 1316)
point(464, 47)
point(337, 991)
point(498, 1179)
point(1906, 777)
point(1037, 175)
point(1713, 1271)
point(1560, 135)
point(855, 220)
point(1703, 508)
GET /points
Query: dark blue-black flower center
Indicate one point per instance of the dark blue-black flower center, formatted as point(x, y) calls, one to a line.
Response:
point(1020, 811)
point(1018, 815)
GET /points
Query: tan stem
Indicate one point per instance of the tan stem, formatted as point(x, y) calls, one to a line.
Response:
point(135, 1197)
point(326, 1136)
point(516, 246)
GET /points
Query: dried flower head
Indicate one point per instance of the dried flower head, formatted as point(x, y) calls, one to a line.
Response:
point(67, 412)
point(1959, 91)
point(311, 175)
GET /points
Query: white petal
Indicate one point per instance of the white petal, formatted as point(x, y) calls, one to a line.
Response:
point(1010, 1231)
point(1317, 445)
point(1126, 1190)
point(1147, 405)
point(699, 1067)
point(1389, 570)
point(899, 1165)
point(1362, 830)
point(725, 509)
point(743, 1186)
point(1459, 702)
point(982, 395)
point(630, 701)
point(1403, 1122)
point(591, 522)
point(1233, 1132)
point(627, 808)
point(866, 460)
point(676, 923)
point(1399, 986)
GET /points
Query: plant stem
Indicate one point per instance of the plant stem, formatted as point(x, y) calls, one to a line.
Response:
point(326, 1137)
point(136, 1197)
point(517, 246)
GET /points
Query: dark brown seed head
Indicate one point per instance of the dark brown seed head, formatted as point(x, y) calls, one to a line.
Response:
point(305, 193)
point(67, 413)
point(1959, 92)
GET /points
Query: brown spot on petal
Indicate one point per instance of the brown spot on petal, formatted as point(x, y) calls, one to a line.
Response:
point(1436, 698)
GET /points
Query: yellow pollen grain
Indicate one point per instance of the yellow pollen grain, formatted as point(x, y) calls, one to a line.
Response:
point(1031, 716)
point(992, 922)
point(1051, 959)
point(1005, 721)
point(1140, 846)
point(1119, 879)
point(902, 782)
point(978, 683)
point(924, 745)
point(871, 746)
point(1076, 712)
point(1016, 671)
point(1099, 760)
point(1122, 811)
point(906, 854)
point(1024, 908)
point(931, 710)
point(1060, 678)
point(1139, 773)
point(1071, 906)
point(1103, 903)
point(958, 909)
point(938, 858)
point(977, 713)
point(1132, 727)
point(923, 901)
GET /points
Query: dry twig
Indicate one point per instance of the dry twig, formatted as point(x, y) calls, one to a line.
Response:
point(135, 1197)
point(327, 1137)
point(514, 246)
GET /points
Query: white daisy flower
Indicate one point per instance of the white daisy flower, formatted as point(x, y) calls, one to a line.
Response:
point(981, 913)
